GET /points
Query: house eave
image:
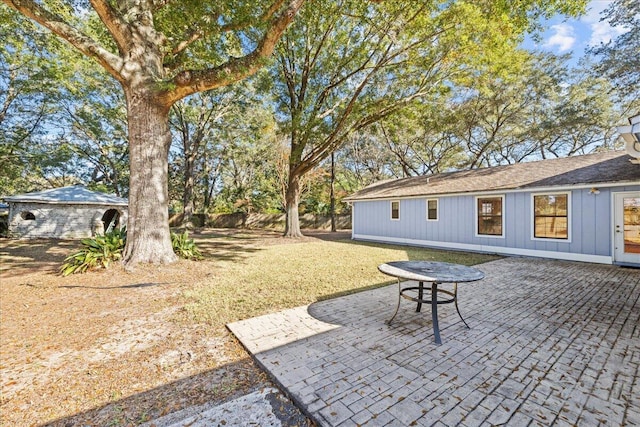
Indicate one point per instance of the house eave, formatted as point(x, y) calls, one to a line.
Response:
point(63, 202)
point(562, 187)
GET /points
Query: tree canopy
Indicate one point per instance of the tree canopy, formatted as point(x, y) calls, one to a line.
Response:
point(160, 101)
point(619, 58)
point(161, 52)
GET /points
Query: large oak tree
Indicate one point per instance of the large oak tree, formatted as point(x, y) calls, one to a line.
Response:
point(347, 65)
point(161, 52)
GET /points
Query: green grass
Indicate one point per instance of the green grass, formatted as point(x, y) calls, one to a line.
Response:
point(282, 276)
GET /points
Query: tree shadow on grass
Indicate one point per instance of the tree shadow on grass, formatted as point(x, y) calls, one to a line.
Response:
point(21, 257)
point(224, 247)
point(132, 286)
point(420, 253)
point(211, 387)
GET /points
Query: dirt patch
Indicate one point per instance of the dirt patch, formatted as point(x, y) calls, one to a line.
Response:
point(115, 347)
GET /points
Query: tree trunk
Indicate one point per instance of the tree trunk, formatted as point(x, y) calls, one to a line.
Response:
point(292, 227)
point(187, 197)
point(148, 235)
point(333, 193)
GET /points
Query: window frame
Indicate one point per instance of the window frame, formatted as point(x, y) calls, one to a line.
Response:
point(437, 209)
point(391, 202)
point(477, 216)
point(533, 217)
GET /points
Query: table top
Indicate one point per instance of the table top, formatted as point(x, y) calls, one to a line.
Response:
point(431, 271)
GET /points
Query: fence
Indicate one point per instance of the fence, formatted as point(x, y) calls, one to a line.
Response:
point(255, 220)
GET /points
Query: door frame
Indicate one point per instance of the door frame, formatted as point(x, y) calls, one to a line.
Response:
point(614, 211)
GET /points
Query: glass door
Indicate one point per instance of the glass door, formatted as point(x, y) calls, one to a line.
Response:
point(627, 228)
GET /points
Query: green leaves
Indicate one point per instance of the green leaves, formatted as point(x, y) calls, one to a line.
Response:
point(184, 247)
point(98, 252)
point(102, 250)
point(619, 59)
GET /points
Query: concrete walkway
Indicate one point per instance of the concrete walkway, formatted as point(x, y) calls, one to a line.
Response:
point(551, 343)
point(264, 408)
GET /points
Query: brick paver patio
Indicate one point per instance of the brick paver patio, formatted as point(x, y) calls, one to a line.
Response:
point(551, 343)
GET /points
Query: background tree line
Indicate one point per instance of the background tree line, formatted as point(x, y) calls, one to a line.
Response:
point(389, 90)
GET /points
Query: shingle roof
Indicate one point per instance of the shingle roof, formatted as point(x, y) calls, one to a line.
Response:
point(76, 194)
point(599, 168)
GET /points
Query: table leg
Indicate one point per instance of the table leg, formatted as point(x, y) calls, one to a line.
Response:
point(455, 300)
point(420, 294)
point(397, 306)
point(434, 312)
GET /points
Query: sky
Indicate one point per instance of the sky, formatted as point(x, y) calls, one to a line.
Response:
point(574, 36)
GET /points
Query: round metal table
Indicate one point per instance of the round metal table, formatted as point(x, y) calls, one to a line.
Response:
point(435, 273)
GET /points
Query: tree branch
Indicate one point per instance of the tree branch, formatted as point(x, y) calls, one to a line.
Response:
point(235, 69)
point(193, 36)
point(114, 24)
point(197, 33)
point(56, 24)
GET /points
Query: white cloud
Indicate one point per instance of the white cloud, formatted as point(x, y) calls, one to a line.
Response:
point(595, 8)
point(564, 37)
point(601, 31)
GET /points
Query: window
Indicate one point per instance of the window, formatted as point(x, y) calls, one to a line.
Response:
point(551, 216)
point(489, 211)
point(27, 216)
point(432, 209)
point(395, 209)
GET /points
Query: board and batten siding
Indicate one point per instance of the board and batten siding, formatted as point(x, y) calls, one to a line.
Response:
point(590, 222)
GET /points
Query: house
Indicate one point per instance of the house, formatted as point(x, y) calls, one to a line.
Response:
point(67, 212)
point(581, 208)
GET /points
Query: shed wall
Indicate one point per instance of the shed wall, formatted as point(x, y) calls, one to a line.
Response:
point(58, 221)
point(590, 224)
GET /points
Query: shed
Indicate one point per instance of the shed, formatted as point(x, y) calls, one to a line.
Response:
point(581, 208)
point(64, 213)
point(4, 217)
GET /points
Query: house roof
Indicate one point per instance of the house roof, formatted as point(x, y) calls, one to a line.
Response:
point(590, 169)
point(76, 194)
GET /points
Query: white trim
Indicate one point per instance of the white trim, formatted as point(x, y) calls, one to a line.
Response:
point(502, 210)
point(613, 224)
point(612, 213)
point(569, 221)
point(567, 256)
point(437, 209)
point(559, 188)
point(391, 202)
point(353, 214)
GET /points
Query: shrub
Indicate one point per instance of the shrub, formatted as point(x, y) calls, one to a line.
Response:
point(97, 252)
point(184, 247)
point(101, 250)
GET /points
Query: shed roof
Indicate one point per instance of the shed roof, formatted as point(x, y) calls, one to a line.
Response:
point(590, 169)
point(76, 195)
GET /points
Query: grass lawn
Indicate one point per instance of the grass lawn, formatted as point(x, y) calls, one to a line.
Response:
point(283, 275)
point(116, 347)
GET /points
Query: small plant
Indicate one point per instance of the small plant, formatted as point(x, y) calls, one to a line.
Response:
point(97, 252)
point(184, 247)
point(101, 250)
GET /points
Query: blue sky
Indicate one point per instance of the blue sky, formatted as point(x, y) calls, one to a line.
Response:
point(574, 36)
